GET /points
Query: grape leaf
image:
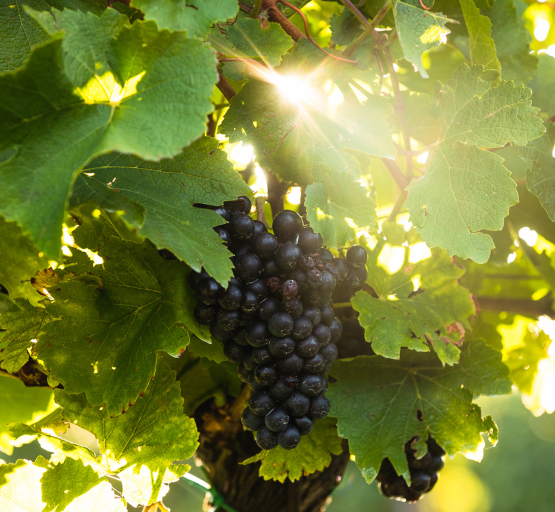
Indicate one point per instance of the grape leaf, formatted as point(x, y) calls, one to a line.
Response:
point(22, 326)
point(540, 178)
point(112, 319)
point(313, 454)
point(541, 85)
point(512, 42)
point(20, 262)
point(65, 110)
point(465, 189)
point(20, 404)
point(482, 47)
point(194, 16)
point(253, 39)
point(380, 404)
point(20, 489)
point(334, 207)
point(436, 313)
point(345, 28)
point(167, 191)
point(419, 31)
point(7, 305)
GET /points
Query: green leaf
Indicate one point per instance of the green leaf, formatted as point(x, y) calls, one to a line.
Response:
point(466, 190)
point(253, 39)
point(333, 207)
point(113, 318)
point(433, 311)
point(540, 178)
point(79, 103)
point(22, 326)
point(482, 47)
point(20, 404)
point(381, 404)
point(168, 189)
point(20, 489)
point(194, 16)
point(7, 305)
point(20, 262)
point(313, 454)
point(345, 28)
point(512, 42)
point(419, 31)
point(141, 455)
point(541, 85)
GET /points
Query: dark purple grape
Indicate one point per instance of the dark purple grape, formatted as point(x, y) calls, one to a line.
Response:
point(294, 307)
point(265, 374)
point(243, 373)
point(434, 448)
point(261, 403)
point(420, 481)
point(288, 255)
point(328, 281)
point(313, 314)
point(249, 362)
point(241, 227)
point(342, 269)
point(251, 421)
point(258, 334)
point(297, 275)
point(269, 307)
point(241, 248)
point(248, 317)
point(259, 227)
point(327, 315)
point(287, 224)
point(357, 256)
point(248, 267)
point(297, 404)
point(319, 407)
point(421, 463)
point(223, 234)
point(271, 269)
point(205, 315)
point(280, 389)
point(281, 347)
point(291, 364)
point(302, 327)
point(262, 355)
point(228, 320)
point(306, 263)
point(254, 385)
point(433, 481)
point(290, 289)
point(329, 352)
point(230, 299)
point(308, 347)
point(309, 241)
point(314, 278)
point(207, 291)
point(436, 464)
point(250, 301)
point(322, 333)
point(259, 287)
point(195, 278)
point(357, 276)
point(310, 384)
point(220, 334)
point(289, 438)
point(277, 419)
point(222, 212)
point(304, 424)
point(233, 352)
point(265, 245)
point(336, 330)
point(325, 256)
point(281, 324)
point(314, 364)
point(266, 439)
point(239, 336)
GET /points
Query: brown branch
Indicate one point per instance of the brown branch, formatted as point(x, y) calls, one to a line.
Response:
point(525, 307)
point(349, 5)
point(260, 213)
point(225, 87)
point(278, 17)
point(396, 173)
point(401, 198)
point(276, 192)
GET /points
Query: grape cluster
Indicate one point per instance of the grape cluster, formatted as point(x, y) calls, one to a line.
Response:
point(276, 320)
point(424, 473)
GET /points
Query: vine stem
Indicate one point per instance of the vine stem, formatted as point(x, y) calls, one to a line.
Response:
point(225, 87)
point(256, 9)
point(277, 16)
point(370, 27)
point(396, 174)
point(401, 198)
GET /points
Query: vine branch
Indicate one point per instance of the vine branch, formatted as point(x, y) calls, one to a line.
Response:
point(225, 87)
point(396, 173)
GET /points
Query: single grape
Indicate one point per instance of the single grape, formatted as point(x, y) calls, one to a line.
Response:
point(297, 275)
point(250, 301)
point(261, 403)
point(322, 333)
point(433, 481)
point(297, 404)
point(319, 407)
point(251, 421)
point(230, 299)
point(342, 269)
point(248, 267)
point(277, 419)
point(259, 287)
point(271, 269)
point(328, 281)
point(264, 245)
point(265, 374)
point(304, 424)
point(357, 256)
point(310, 384)
point(357, 276)
point(289, 438)
point(281, 347)
point(266, 439)
point(281, 324)
point(195, 278)
point(287, 224)
point(420, 481)
point(314, 278)
point(262, 355)
point(308, 347)
point(220, 334)
point(259, 227)
point(291, 364)
point(222, 212)
point(294, 307)
point(329, 352)
point(223, 234)
point(269, 307)
point(207, 291)
point(436, 464)
point(233, 352)
point(302, 327)
point(325, 256)
point(313, 314)
point(205, 315)
point(314, 364)
point(228, 320)
point(336, 330)
point(288, 255)
point(421, 463)
point(254, 385)
point(290, 289)
point(241, 227)
point(280, 390)
point(240, 248)
point(309, 241)
point(258, 334)
point(327, 315)
point(239, 337)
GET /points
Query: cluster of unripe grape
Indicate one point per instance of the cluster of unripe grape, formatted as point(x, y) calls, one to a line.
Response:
point(424, 473)
point(275, 319)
